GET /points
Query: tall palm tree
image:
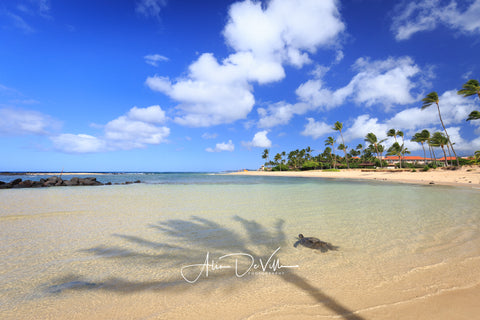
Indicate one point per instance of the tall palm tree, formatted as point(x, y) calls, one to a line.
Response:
point(372, 139)
point(432, 98)
point(392, 133)
point(396, 150)
point(265, 156)
point(277, 159)
point(440, 140)
point(331, 142)
point(401, 134)
point(422, 137)
point(360, 149)
point(338, 126)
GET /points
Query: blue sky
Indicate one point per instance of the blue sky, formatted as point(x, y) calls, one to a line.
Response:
point(163, 85)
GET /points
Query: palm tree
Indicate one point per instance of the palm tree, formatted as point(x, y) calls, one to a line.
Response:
point(477, 156)
point(372, 139)
point(422, 137)
point(430, 99)
point(338, 126)
point(470, 88)
point(440, 140)
point(392, 133)
point(474, 115)
point(331, 142)
point(400, 134)
point(344, 149)
point(308, 152)
point(396, 150)
point(277, 159)
point(360, 149)
point(265, 156)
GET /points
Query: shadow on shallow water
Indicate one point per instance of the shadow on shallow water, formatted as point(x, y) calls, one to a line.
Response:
point(199, 233)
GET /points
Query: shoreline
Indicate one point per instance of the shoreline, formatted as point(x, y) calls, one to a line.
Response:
point(467, 176)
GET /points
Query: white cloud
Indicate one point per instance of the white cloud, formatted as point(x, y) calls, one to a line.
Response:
point(413, 17)
point(276, 114)
point(20, 121)
point(137, 129)
point(154, 59)
point(126, 133)
point(212, 94)
point(385, 82)
point(264, 38)
point(219, 147)
point(316, 129)
point(78, 143)
point(260, 140)
point(150, 8)
point(283, 30)
point(152, 114)
point(363, 125)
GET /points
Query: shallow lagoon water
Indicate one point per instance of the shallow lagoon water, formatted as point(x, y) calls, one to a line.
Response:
point(118, 251)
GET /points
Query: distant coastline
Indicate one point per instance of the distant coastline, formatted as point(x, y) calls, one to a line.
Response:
point(467, 176)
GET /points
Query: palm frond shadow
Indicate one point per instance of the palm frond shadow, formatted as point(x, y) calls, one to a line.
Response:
point(189, 241)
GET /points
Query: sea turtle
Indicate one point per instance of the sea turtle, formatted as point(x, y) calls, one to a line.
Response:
point(314, 243)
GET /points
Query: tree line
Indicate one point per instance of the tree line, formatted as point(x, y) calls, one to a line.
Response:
point(372, 153)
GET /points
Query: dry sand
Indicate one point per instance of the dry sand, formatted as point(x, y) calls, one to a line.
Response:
point(467, 176)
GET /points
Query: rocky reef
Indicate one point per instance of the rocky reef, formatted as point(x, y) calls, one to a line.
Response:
point(55, 181)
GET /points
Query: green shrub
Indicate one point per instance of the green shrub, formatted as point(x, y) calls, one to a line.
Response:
point(310, 165)
point(331, 170)
point(426, 168)
point(283, 168)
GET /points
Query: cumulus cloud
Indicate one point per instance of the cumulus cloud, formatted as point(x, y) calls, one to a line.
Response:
point(316, 129)
point(14, 121)
point(136, 129)
point(283, 30)
point(386, 82)
point(152, 114)
point(413, 17)
point(264, 39)
point(154, 59)
point(260, 140)
point(219, 147)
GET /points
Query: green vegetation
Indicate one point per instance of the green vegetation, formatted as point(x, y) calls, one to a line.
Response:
point(371, 156)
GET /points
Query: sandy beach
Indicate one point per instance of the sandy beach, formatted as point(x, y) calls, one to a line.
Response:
point(467, 176)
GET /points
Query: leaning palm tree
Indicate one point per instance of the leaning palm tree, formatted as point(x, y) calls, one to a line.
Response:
point(474, 115)
point(338, 126)
point(422, 137)
point(331, 142)
point(470, 88)
point(440, 140)
point(432, 98)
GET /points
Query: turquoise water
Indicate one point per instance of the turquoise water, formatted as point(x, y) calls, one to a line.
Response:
point(67, 246)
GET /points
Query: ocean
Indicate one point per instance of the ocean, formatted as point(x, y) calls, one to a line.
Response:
point(203, 246)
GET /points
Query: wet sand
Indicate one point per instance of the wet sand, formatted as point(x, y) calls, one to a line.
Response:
point(468, 176)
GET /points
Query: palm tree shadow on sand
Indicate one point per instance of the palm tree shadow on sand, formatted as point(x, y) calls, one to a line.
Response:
point(189, 240)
